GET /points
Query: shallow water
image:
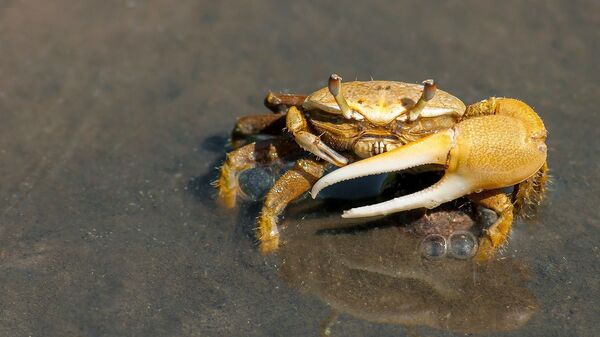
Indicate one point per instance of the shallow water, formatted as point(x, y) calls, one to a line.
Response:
point(115, 114)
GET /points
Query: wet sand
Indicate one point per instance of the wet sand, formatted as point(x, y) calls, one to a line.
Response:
point(114, 115)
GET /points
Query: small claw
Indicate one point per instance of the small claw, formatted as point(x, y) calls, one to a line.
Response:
point(313, 144)
point(433, 149)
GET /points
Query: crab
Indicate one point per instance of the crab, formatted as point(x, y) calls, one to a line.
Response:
point(373, 127)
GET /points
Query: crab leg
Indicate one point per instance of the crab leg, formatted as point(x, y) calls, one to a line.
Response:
point(482, 153)
point(271, 124)
point(245, 158)
point(289, 187)
point(497, 233)
point(281, 102)
point(255, 124)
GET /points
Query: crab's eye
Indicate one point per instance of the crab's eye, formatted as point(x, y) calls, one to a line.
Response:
point(463, 245)
point(433, 247)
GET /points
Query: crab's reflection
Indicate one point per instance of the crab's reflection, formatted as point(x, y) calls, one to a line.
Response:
point(377, 271)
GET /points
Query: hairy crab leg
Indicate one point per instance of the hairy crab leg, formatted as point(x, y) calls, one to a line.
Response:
point(528, 195)
point(497, 233)
point(245, 158)
point(290, 186)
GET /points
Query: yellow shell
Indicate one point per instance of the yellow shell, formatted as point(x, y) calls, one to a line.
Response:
point(380, 102)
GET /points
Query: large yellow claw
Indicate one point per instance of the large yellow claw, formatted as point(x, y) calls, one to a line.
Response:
point(480, 153)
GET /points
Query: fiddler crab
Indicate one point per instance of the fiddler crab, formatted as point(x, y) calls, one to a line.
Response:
point(375, 127)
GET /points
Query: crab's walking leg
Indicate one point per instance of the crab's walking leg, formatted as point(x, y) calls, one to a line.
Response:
point(529, 194)
point(298, 126)
point(271, 124)
point(245, 158)
point(290, 186)
point(281, 102)
point(498, 232)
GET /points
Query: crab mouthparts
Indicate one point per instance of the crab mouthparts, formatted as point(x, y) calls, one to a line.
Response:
point(434, 149)
point(368, 146)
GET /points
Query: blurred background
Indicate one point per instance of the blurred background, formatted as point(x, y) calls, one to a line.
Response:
point(114, 115)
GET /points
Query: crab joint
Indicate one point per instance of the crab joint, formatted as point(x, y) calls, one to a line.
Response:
point(429, 88)
point(335, 88)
